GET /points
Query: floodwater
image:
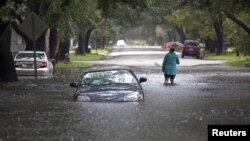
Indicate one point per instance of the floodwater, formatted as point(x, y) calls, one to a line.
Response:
point(43, 109)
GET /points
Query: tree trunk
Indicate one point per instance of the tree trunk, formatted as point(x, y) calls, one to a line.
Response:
point(210, 45)
point(64, 48)
point(170, 36)
point(52, 43)
point(87, 37)
point(80, 49)
point(7, 68)
point(105, 39)
point(40, 43)
point(218, 26)
point(181, 33)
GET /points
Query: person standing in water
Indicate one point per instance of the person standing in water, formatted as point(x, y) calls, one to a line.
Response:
point(169, 67)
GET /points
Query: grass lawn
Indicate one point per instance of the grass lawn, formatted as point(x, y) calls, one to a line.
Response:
point(241, 63)
point(95, 55)
point(231, 59)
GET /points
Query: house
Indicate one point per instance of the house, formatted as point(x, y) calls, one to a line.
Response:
point(17, 42)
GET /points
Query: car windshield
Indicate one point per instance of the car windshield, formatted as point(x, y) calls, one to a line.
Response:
point(30, 55)
point(108, 77)
point(192, 44)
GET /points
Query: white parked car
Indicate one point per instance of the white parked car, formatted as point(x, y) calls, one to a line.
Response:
point(121, 43)
point(24, 64)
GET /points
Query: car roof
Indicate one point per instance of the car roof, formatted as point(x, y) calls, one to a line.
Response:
point(191, 41)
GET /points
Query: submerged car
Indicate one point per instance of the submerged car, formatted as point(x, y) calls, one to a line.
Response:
point(109, 85)
point(24, 64)
point(191, 48)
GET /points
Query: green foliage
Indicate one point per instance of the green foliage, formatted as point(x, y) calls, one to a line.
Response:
point(101, 51)
point(124, 17)
point(108, 7)
point(138, 19)
point(231, 59)
point(53, 14)
point(243, 44)
point(239, 63)
point(228, 57)
point(68, 16)
point(197, 24)
point(95, 55)
point(12, 12)
point(79, 61)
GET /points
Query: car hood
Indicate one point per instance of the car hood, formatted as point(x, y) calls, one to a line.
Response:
point(113, 92)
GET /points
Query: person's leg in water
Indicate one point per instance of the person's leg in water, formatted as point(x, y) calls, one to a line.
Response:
point(172, 79)
point(166, 78)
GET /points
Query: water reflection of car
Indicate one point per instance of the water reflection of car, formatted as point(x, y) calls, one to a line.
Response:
point(109, 85)
point(191, 48)
point(24, 64)
point(121, 43)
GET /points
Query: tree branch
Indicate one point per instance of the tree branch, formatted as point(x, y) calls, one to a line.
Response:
point(238, 22)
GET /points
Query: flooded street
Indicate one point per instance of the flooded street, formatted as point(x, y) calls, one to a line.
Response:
point(124, 70)
point(43, 110)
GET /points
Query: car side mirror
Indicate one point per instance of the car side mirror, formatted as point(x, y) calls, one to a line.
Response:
point(142, 79)
point(73, 85)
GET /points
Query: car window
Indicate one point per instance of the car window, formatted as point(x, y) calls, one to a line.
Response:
point(30, 55)
point(192, 44)
point(108, 77)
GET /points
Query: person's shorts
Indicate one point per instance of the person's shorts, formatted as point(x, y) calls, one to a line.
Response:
point(169, 76)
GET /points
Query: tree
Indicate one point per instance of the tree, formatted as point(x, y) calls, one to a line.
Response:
point(11, 12)
point(238, 22)
point(219, 30)
point(122, 15)
point(86, 17)
point(221, 9)
point(7, 69)
point(60, 16)
point(40, 8)
point(234, 9)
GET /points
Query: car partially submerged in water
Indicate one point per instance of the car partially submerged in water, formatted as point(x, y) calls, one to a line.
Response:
point(109, 85)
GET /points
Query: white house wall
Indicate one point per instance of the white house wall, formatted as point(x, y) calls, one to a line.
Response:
point(17, 42)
